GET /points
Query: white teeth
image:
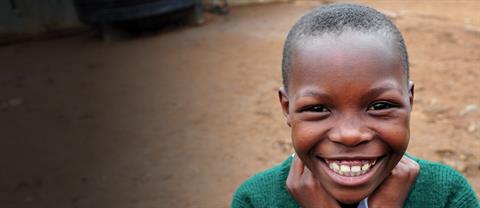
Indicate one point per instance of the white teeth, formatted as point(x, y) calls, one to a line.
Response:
point(350, 170)
point(335, 167)
point(355, 169)
point(366, 166)
point(344, 168)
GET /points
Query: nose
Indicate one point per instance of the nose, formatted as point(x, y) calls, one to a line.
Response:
point(350, 131)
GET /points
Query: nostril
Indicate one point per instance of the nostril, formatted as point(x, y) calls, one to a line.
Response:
point(350, 137)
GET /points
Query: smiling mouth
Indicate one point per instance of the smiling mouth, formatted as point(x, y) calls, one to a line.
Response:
point(350, 167)
point(351, 171)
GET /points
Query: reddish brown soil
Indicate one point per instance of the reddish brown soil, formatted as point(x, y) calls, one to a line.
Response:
point(181, 118)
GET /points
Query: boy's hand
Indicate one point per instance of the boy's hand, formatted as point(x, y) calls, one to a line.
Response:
point(306, 189)
point(394, 190)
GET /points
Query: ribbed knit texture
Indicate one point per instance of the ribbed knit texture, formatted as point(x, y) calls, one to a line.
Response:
point(437, 185)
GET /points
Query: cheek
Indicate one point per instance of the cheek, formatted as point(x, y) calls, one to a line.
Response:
point(396, 134)
point(397, 139)
point(304, 137)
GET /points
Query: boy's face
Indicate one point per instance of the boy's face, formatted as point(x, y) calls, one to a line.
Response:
point(348, 104)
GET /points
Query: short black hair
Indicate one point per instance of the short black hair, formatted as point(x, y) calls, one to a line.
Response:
point(338, 18)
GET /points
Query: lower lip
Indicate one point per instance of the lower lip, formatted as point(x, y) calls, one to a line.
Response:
point(352, 180)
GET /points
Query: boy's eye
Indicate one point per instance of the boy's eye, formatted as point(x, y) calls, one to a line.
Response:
point(316, 108)
point(381, 106)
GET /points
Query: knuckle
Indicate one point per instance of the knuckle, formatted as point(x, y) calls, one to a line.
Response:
point(291, 188)
point(309, 184)
point(290, 184)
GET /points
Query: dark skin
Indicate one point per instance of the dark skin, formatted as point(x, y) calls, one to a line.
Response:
point(349, 99)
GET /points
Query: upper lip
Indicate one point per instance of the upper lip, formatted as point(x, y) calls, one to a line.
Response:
point(349, 157)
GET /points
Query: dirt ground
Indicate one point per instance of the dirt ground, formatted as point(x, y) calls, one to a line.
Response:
point(182, 117)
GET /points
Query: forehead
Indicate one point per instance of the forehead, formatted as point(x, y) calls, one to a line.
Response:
point(349, 59)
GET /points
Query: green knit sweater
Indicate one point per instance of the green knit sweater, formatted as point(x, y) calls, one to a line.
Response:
point(437, 185)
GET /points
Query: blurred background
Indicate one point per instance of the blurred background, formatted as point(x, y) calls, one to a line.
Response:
point(161, 103)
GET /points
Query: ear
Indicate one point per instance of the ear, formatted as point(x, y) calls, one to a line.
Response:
point(411, 92)
point(283, 98)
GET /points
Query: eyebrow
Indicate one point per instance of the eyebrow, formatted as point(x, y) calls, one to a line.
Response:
point(376, 91)
point(371, 93)
point(316, 94)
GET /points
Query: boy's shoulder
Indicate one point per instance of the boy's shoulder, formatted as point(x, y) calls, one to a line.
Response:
point(265, 189)
point(439, 185)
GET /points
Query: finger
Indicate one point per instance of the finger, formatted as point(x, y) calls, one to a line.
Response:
point(299, 166)
point(413, 167)
point(410, 161)
point(410, 164)
point(308, 178)
point(307, 173)
point(405, 164)
point(294, 175)
point(296, 168)
point(406, 170)
point(405, 160)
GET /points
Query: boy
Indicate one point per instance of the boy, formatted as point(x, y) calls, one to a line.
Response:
point(347, 98)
